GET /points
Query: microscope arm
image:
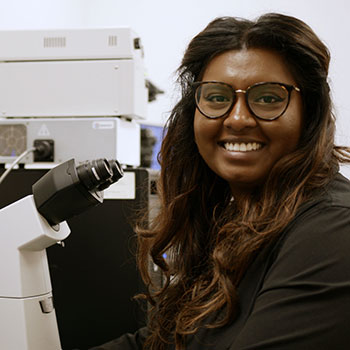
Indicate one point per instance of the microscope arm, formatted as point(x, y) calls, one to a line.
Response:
point(25, 234)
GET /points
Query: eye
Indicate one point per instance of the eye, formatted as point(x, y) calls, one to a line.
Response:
point(216, 98)
point(267, 95)
point(268, 99)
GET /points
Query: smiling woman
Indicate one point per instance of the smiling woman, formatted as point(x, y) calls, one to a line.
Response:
point(254, 217)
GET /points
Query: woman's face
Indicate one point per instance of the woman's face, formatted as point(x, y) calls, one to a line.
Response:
point(238, 147)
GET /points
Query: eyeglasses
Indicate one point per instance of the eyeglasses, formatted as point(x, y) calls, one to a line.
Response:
point(266, 100)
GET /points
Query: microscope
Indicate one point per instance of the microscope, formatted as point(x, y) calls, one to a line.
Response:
point(28, 227)
point(83, 94)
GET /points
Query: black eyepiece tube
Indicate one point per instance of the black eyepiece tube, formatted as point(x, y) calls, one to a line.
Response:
point(117, 174)
point(93, 174)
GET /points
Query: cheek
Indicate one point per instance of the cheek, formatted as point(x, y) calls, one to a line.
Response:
point(204, 129)
point(289, 135)
point(294, 130)
point(196, 127)
point(288, 130)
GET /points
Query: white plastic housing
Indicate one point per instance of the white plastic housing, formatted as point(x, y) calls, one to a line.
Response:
point(27, 316)
point(24, 326)
point(72, 73)
point(78, 138)
point(72, 89)
point(24, 235)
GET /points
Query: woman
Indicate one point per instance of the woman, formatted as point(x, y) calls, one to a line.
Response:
point(255, 218)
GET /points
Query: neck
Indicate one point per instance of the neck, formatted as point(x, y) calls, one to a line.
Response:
point(242, 192)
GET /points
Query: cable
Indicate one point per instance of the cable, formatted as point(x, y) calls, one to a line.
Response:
point(16, 161)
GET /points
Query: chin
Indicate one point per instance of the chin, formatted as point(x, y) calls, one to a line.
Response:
point(245, 184)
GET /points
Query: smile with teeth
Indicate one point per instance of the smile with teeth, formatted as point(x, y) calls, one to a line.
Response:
point(242, 146)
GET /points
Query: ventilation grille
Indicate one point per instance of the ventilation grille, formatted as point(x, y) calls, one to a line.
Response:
point(112, 40)
point(13, 139)
point(54, 42)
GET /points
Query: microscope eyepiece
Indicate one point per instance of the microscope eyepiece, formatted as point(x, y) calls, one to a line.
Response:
point(117, 173)
point(93, 174)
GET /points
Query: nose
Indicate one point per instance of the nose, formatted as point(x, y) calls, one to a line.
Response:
point(240, 116)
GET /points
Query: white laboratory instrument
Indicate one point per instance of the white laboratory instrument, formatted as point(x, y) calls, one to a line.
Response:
point(28, 227)
point(81, 89)
point(72, 73)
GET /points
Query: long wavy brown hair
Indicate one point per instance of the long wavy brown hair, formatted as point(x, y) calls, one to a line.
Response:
point(208, 239)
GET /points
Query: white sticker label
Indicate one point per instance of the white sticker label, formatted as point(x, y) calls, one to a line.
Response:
point(102, 125)
point(125, 188)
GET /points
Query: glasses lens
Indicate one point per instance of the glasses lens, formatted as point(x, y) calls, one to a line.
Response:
point(268, 101)
point(214, 99)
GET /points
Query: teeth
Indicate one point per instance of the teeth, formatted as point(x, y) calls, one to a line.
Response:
point(242, 147)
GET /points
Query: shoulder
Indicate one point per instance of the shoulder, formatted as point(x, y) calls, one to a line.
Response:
point(335, 194)
point(318, 239)
point(338, 192)
point(327, 211)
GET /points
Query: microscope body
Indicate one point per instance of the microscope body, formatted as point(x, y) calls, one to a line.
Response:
point(28, 227)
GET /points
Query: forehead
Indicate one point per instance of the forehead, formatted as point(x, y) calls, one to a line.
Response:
point(248, 66)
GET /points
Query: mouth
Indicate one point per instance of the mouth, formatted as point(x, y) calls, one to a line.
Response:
point(242, 146)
